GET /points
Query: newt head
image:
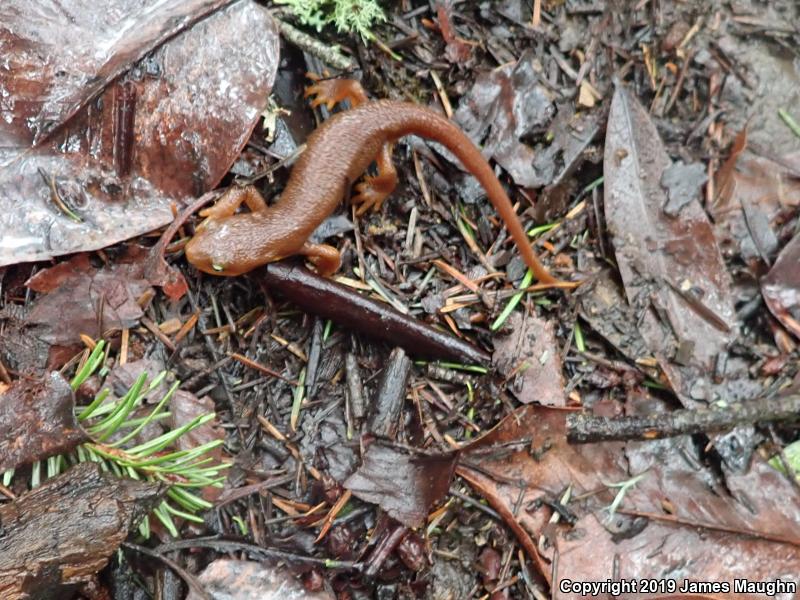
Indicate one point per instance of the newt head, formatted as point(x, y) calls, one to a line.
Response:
point(234, 245)
point(206, 253)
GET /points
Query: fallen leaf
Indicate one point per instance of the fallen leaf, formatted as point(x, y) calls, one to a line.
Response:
point(119, 155)
point(781, 286)
point(243, 580)
point(407, 484)
point(604, 307)
point(78, 295)
point(185, 406)
point(681, 182)
point(529, 358)
point(526, 459)
point(725, 181)
point(756, 194)
point(674, 276)
point(502, 108)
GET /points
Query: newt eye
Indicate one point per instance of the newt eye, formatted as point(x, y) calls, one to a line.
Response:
point(217, 267)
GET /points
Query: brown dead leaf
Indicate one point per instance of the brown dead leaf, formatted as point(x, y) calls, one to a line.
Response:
point(508, 106)
point(76, 294)
point(503, 107)
point(407, 484)
point(118, 155)
point(75, 307)
point(530, 359)
point(749, 516)
point(757, 194)
point(673, 272)
point(603, 305)
point(725, 180)
point(781, 286)
point(185, 406)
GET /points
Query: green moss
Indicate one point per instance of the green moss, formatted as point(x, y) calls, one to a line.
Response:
point(348, 16)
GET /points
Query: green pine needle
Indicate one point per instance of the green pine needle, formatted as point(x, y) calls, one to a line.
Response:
point(186, 472)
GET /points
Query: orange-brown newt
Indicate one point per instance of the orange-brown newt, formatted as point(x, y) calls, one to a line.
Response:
point(336, 155)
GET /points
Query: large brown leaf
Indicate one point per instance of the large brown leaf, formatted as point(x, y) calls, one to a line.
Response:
point(406, 484)
point(692, 515)
point(673, 272)
point(166, 131)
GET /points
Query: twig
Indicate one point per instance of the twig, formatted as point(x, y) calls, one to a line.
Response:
point(315, 47)
point(221, 545)
point(583, 428)
point(389, 397)
point(679, 84)
point(355, 387)
point(190, 579)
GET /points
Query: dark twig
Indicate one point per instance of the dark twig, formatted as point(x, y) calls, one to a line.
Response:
point(190, 579)
point(583, 428)
point(355, 389)
point(224, 546)
point(384, 548)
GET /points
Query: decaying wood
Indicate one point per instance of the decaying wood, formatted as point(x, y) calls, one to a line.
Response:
point(59, 535)
point(37, 421)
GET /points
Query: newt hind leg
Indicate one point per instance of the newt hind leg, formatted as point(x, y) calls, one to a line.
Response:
point(326, 259)
point(375, 189)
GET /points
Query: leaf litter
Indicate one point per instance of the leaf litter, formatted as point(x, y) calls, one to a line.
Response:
point(682, 320)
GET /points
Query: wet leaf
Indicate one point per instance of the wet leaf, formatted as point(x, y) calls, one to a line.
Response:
point(37, 421)
point(78, 298)
point(530, 360)
point(406, 484)
point(693, 515)
point(242, 580)
point(681, 182)
point(672, 270)
point(64, 53)
point(725, 180)
point(756, 194)
point(504, 106)
point(781, 287)
point(112, 156)
point(184, 407)
point(603, 305)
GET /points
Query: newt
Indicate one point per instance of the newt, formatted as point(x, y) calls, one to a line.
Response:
point(337, 153)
